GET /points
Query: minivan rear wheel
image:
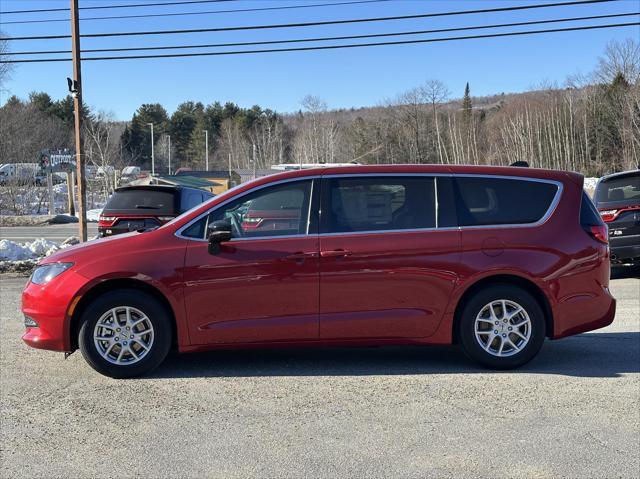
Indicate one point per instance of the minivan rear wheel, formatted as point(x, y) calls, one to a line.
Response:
point(502, 327)
point(124, 333)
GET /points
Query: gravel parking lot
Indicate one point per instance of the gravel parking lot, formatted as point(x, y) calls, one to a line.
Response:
point(395, 412)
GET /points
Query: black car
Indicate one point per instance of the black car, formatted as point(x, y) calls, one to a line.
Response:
point(617, 198)
point(132, 208)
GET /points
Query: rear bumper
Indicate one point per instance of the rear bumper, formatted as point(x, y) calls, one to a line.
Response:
point(581, 313)
point(624, 248)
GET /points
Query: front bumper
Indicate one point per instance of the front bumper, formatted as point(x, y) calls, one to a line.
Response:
point(49, 306)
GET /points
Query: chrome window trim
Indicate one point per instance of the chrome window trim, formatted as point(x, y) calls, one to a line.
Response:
point(178, 233)
point(545, 217)
point(552, 206)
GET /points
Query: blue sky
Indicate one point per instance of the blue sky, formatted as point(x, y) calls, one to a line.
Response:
point(343, 78)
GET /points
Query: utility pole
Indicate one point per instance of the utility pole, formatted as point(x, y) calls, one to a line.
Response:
point(153, 158)
point(77, 116)
point(169, 140)
point(206, 149)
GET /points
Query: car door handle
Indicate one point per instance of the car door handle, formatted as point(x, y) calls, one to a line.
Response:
point(336, 253)
point(301, 256)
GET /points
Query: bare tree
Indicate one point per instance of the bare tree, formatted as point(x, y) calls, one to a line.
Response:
point(436, 93)
point(620, 57)
point(5, 68)
point(317, 133)
point(103, 150)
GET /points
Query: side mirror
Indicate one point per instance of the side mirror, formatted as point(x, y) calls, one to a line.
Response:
point(219, 232)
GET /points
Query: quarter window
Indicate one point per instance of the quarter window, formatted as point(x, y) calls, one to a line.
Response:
point(272, 211)
point(378, 204)
point(500, 201)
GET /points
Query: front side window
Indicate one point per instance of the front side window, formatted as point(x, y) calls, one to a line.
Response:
point(501, 201)
point(278, 210)
point(378, 204)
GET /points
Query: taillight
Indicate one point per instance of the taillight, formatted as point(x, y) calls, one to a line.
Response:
point(599, 233)
point(252, 221)
point(608, 215)
point(106, 220)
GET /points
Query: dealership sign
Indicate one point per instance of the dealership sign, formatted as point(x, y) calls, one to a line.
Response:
point(61, 161)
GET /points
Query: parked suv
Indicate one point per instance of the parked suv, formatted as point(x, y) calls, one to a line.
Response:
point(494, 259)
point(617, 197)
point(132, 208)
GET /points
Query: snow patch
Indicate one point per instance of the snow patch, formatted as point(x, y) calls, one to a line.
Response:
point(590, 183)
point(94, 215)
point(42, 247)
point(11, 251)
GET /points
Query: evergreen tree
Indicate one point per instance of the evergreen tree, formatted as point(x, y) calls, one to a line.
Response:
point(137, 135)
point(467, 106)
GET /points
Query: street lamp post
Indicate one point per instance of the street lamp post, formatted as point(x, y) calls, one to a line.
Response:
point(153, 158)
point(169, 139)
point(206, 149)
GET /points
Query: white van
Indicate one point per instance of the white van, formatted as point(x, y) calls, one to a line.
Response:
point(19, 171)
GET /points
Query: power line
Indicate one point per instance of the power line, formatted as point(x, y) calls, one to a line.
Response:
point(322, 39)
point(103, 7)
point(208, 12)
point(333, 47)
point(309, 24)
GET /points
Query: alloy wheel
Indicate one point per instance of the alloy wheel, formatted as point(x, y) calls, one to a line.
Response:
point(502, 328)
point(123, 335)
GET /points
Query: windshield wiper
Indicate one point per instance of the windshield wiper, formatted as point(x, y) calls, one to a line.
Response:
point(145, 207)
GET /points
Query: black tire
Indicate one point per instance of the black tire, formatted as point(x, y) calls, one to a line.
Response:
point(467, 324)
point(156, 314)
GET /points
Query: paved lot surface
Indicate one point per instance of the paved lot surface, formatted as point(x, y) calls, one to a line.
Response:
point(394, 412)
point(23, 234)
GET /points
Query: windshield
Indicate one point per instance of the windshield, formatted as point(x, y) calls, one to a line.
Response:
point(622, 188)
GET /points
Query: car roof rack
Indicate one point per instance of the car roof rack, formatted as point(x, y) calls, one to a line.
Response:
point(521, 164)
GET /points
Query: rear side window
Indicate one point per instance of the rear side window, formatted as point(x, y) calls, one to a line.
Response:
point(378, 204)
point(589, 216)
point(148, 201)
point(501, 201)
point(621, 188)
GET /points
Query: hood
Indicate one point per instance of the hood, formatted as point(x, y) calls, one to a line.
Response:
point(98, 248)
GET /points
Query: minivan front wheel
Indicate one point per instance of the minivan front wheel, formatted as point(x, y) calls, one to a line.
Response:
point(502, 327)
point(124, 333)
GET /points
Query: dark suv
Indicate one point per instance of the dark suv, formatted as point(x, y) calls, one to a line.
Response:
point(617, 198)
point(133, 208)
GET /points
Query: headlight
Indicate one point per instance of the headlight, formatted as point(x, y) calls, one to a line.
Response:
point(45, 273)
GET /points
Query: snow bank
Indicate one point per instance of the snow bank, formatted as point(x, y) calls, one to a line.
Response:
point(42, 247)
point(12, 251)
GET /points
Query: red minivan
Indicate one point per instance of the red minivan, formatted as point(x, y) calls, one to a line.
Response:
point(493, 259)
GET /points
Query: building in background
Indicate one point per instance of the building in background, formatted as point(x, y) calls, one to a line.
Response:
point(189, 182)
point(221, 178)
